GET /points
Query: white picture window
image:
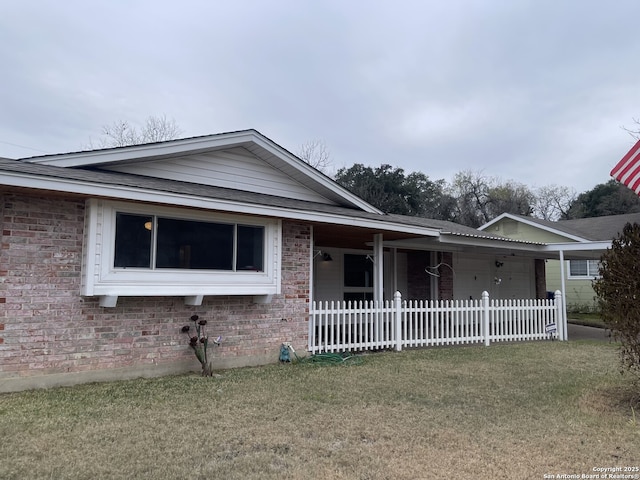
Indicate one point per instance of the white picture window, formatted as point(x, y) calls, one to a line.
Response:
point(583, 268)
point(156, 242)
point(145, 250)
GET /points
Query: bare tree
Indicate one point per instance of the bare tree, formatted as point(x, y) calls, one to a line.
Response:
point(315, 153)
point(471, 191)
point(552, 202)
point(481, 198)
point(634, 132)
point(121, 133)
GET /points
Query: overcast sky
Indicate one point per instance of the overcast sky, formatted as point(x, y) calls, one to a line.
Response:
point(533, 91)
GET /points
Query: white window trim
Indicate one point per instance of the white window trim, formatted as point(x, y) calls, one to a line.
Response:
point(581, 277)
point(100, 278)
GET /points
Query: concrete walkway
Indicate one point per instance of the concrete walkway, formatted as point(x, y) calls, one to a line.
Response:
point(580, 332)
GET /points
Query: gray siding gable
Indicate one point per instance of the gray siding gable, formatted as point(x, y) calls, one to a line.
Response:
point(235, 168)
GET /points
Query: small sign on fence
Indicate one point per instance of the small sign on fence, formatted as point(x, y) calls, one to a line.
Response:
point(550, 328)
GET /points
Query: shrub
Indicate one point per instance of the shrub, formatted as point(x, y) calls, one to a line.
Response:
point(618, 291)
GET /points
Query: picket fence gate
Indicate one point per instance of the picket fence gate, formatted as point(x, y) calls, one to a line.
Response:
point(355, 326)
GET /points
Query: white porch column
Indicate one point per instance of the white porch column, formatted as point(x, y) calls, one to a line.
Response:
point(563, 328)
point(378, 268)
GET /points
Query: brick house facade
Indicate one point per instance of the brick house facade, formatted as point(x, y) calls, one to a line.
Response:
point(48, 331)
point(61, 325)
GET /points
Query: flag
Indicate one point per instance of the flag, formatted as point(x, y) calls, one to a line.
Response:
point(627, 171)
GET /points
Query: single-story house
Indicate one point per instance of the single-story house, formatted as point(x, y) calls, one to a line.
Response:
point(583, 239)
point(107, 253)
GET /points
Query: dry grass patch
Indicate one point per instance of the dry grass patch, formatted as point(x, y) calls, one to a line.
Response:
point(517, 410)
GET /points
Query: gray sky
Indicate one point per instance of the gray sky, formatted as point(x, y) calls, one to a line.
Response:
point(534, 91)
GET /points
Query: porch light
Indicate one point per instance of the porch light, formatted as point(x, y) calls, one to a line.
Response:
point(325, 256)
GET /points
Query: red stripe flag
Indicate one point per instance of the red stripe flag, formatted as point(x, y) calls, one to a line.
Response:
point(627, 171)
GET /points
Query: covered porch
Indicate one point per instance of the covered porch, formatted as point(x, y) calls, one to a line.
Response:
point(373, 289)
point(353, 263)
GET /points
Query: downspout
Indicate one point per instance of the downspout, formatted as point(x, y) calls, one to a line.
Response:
point(312, 282)
point(312, 270)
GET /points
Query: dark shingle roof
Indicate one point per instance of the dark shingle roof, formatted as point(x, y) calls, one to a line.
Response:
point(104, 177)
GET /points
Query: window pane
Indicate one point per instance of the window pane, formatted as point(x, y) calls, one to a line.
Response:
point(358, 271)
point(578, 268)
point(133, 241)
point(194, 245)
point(250, 247)
point(593, 267)
point(358, 296)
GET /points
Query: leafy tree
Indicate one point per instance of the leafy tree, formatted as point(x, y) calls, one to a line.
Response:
point(611, 198)
point(390, 190)
point(122, 133)
point(618, 291)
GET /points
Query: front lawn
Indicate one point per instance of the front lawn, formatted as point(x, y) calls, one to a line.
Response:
point(506, 411)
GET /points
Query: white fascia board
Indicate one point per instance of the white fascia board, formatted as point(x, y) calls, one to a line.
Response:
point(149, 150)
point(169, 198)
point(546, 228)
point(472, 241)
point(578, 247)
point(307, 170)
point(496, 220)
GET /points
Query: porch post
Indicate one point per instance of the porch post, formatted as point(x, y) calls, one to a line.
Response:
point(561, 325)
point(485, 317)
point(397, 313)
point(378, 268)
point(563, 288)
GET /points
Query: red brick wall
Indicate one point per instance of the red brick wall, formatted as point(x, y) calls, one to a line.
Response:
point(445, 281)
point(47, 328)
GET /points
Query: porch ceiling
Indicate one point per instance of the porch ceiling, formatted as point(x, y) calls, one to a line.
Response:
point(344, 236)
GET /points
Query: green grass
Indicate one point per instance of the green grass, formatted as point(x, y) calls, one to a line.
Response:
point(506, 411)
point(588, 319)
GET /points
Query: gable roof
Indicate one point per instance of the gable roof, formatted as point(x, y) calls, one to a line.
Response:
point(251, 140)
point(97, 173)
point(592, 229)
point(126, 186)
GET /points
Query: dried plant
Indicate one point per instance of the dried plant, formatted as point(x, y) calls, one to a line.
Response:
point(200, 343)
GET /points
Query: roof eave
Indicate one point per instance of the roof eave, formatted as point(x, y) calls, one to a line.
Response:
point(121, 192)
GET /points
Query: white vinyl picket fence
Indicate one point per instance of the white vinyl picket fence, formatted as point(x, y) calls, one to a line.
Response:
point(356, 326)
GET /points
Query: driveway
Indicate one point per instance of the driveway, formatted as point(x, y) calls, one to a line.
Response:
point(581, 332)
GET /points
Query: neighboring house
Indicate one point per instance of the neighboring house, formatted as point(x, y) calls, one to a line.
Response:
point(106, 254)
point(589, 236)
